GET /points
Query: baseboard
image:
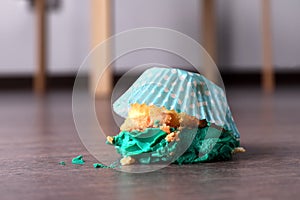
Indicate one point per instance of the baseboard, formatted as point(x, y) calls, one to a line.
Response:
point(26, 82)
point(229, 79)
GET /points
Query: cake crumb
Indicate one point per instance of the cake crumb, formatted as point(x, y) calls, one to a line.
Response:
point(239, 150)
point(127, 160)
point(165, 128)
point(110, 139)
point(172, 137)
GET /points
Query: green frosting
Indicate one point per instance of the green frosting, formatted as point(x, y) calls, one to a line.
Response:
point(99, 165)
point(136, 143)
point(210, 145)
point(62, 163)
point(78, 160)
point(199, 145)
point(146, 147)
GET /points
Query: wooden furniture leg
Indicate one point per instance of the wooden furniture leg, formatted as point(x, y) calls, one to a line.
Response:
point(39, 82)
point(268, 77)
point(101, 19)
point(209, 33)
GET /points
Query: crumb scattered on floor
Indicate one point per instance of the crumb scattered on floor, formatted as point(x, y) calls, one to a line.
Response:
point(62, 163)
point(78, 160)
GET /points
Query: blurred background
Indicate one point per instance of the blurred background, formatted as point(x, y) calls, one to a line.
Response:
point(69, 35)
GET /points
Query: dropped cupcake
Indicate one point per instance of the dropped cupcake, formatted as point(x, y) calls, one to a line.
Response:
point(174, 116)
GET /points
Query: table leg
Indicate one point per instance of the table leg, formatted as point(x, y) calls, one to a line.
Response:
point(39, 82)
point(209, 34)
point(268, 77)
point(101, 27)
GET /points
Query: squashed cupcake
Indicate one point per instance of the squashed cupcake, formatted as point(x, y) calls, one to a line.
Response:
point(174, 116)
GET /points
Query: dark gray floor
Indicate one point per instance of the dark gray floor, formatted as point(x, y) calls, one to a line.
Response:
point(38, 133)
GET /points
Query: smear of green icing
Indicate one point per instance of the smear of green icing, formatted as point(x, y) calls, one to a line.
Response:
point(199, 145)
point(78, 160)
point(100, 165)
point(62, 163)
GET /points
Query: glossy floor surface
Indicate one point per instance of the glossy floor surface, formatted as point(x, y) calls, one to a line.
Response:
point(37, 133)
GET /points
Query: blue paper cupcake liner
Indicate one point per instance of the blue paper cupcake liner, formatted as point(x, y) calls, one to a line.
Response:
point(182, 91)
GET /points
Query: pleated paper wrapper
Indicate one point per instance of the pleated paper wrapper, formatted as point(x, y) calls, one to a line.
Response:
point(182, 91)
